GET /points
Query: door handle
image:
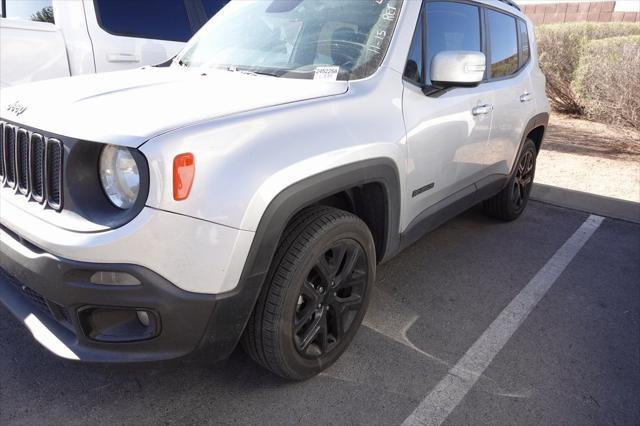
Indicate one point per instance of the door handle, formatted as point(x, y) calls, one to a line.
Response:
point(123, 57)
point(482, 110)
point(526, 97)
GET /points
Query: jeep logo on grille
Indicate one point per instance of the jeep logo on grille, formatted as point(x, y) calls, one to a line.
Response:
point(17, 108)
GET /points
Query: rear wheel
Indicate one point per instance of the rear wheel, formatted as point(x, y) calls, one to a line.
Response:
point(509, 203)
point(316, 294)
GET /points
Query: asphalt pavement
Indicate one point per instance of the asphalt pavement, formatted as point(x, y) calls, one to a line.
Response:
point(573, 359)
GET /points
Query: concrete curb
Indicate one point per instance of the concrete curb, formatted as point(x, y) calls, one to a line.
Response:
point(590, 203)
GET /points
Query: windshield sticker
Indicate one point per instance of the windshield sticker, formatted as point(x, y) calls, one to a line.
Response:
point(326, 73)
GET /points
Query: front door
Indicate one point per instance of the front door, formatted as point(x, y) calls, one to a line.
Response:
point(447, 133)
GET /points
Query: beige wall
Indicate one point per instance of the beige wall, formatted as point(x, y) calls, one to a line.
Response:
point(550, 13)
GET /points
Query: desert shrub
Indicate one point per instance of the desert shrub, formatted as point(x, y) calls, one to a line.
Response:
point(607, 80)
point(560, 48)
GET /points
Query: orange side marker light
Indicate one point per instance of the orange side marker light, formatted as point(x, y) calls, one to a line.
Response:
point(184, 170)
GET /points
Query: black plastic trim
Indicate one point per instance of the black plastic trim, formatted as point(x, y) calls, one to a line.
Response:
point(538, 120)
point(184, 315)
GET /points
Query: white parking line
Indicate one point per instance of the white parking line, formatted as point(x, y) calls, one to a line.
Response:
point(447, 394)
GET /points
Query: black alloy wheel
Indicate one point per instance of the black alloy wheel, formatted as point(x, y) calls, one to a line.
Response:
point(523, 181)
point(511, 201)
point(315, 296)
point(330, 298)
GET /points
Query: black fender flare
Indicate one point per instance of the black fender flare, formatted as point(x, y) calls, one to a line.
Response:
point(538, 120)
point(233, 309)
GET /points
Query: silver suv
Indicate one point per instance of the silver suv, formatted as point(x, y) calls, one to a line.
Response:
point(245, 191)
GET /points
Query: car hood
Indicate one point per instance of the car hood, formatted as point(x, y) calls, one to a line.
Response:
point(130, 107)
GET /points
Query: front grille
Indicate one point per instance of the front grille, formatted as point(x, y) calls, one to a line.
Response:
point(53, 167)
point(22, 160)
point(37, 167)
point(47, 307)
point(31, 164)
point(9, 148)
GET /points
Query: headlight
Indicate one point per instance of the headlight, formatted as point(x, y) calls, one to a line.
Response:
point(119, 176)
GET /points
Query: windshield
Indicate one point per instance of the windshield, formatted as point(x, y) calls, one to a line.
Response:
point(315, 39)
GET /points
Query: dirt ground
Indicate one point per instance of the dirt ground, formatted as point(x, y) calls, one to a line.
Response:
point(591, 157)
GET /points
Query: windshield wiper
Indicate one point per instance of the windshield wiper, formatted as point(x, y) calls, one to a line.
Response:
point(249, 71)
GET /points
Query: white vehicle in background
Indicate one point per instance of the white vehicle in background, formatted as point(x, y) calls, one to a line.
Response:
point(44, 39)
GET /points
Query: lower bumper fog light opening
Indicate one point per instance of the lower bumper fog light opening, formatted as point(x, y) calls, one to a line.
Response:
point(119, 325)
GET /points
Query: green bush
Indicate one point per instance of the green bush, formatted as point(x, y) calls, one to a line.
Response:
point(560, 47)
point(607, 80)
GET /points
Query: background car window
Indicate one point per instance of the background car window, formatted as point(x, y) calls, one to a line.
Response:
point(414, 70)
point(524, 42)
point(451, 26)
point(503, 42)
point(30, 10)
point(159, 19)
point(211, 7)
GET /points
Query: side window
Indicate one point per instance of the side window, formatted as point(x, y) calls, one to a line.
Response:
point(33, 10)
point(525, 50)
point(503, 42)
point(211, 7)
point(160, 19)
point(451, 26)
point(414, 70)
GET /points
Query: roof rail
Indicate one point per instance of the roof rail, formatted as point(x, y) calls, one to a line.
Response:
point(511, 3)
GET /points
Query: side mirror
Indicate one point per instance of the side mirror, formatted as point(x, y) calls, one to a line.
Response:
point(453, 68)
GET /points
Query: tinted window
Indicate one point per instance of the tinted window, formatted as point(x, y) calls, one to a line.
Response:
point(503, 43)
point(31, 10)
point(413, 71)
point(211, 7)
point(451, 26)
point(524, 42)
point(157, 19)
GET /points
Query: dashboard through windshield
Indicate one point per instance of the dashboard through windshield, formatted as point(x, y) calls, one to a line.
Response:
point(326, 39)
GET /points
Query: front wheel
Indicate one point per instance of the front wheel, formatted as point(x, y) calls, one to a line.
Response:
point(509, 203)
point(316, 294)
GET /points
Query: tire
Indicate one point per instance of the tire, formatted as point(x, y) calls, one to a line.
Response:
point(509, 203)
point(316, 294)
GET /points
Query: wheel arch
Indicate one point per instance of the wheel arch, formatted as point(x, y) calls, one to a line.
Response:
point(535, 129)
point(313, 190)
point(280, 211)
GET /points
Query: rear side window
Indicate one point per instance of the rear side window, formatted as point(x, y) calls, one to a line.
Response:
point(503, 44)
point(160, 19)
point(32, 10)
point(525, 50)
point(451, 26)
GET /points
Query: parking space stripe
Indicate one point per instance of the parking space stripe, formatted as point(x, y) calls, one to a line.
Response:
point(447, 394)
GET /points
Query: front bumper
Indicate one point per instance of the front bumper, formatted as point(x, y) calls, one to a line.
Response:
point(48, 294)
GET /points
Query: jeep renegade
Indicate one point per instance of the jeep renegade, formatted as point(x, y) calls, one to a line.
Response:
point(246, 190)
